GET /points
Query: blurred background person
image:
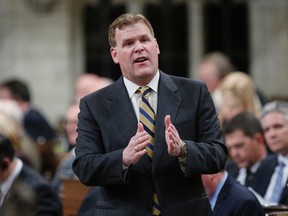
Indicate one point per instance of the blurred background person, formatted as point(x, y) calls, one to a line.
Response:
point(42, 200)
point(35, 125)
point(228, 197)
point(64, 169)
point(9, 128)
point(87, 83)
point(212, 69)
point(238, 94)
point(84, 85)
point(249, 157)
point(274, 121)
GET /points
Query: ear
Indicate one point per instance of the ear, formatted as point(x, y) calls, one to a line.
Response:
point(157, 46)
point(4, 163)
point(113, 52)
point(259, 138)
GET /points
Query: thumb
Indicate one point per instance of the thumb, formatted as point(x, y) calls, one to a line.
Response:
point(167, 121)
point(140, 127)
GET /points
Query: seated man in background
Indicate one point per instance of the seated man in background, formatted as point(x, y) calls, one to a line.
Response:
point(274, 119)
point(229, 198)
point(64, 169)
point(244, 138)
point(23, 190)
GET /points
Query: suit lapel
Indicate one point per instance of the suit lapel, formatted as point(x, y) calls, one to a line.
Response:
point(122, 111)
point(168, 104)
point(223, 195)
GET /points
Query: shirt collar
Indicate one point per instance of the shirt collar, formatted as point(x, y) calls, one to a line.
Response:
point(9, 181)
point(132, 87)
point(254, 168)
point(283, 159)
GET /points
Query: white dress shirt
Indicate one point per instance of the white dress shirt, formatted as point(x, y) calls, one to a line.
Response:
point(136, 98)
point(241, 178)
point(9, 181)
point(269, 190)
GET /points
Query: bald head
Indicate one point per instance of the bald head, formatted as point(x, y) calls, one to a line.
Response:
point(88, 83)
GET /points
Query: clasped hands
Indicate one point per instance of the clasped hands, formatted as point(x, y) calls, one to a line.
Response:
point(136, 147)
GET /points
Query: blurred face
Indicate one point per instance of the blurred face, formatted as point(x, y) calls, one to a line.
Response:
point(208, 75)
point(230, 106)
point(71, 124)
point(5, 93)
point(136, 52)
point(243, 150)
point(275, 127)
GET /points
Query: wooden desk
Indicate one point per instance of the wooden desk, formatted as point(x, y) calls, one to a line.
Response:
point(72, 195)
point(280, 210)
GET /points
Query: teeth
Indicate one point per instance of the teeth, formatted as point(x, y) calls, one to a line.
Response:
point(140, 59)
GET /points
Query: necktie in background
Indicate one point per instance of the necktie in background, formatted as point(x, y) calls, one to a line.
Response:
point(277, 190)
point(147, 118)
point(249, 178)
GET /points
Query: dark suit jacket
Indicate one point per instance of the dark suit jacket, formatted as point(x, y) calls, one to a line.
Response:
point(261, 178)
point(31, 194)
point(235, 199)
point(107, 122)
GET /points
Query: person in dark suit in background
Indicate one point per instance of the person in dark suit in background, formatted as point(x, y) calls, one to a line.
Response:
point(23, 190)
point(248, 150)
point(229, 198)
point(34, 123)
point(274, 119)
point(112, 146)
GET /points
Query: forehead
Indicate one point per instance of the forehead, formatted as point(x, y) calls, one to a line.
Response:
point(236, 137)
point(275, 117)
point(132, 30)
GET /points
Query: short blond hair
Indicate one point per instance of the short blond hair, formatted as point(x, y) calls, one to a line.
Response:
point(241, 85)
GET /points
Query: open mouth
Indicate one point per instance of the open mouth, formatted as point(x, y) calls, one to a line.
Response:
point(140, 59)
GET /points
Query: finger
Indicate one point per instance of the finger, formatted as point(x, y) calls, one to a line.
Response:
point(167, 121)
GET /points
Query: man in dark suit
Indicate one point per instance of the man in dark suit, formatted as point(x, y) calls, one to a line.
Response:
point(112, 146)
point(274, 119)
point(23, 190)
point(245, 140)
point(229, 198)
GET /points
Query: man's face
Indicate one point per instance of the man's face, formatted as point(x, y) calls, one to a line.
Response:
point(207, 73)
point(275, 127)
point(243, 149)
point(5, 93)
point(136, 52)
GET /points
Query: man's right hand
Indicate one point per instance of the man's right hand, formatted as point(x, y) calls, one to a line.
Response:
point(136, 148)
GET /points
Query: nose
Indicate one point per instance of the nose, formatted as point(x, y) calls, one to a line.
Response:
point(233, 153)
point(139, 47)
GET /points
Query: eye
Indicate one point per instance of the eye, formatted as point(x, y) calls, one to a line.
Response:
point(145, 39)
point(127, 43)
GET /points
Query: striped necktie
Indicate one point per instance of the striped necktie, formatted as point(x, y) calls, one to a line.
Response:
point(277, 190)
point(147, 118)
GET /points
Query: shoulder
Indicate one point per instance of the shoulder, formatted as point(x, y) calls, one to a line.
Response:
point(32, 178)
point(107, 92)
point(179, 80)
point(184, 85)
point(238, 191)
